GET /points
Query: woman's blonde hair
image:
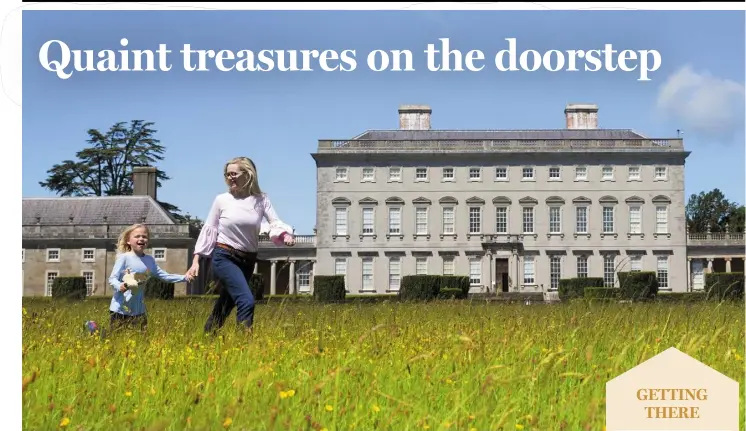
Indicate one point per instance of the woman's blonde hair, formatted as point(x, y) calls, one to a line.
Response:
point(247, 167)
point(124, 237)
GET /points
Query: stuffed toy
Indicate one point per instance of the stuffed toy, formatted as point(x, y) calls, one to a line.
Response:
point(134, 282)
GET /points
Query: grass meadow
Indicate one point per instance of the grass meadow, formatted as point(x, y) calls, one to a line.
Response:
point(449, 365)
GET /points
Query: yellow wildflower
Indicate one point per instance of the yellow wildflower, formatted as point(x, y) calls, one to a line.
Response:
point(227, 422)
point(64, 422)
point(329, 408)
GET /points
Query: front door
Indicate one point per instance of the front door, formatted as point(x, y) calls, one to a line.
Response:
point(501, 273)
point(698, 274)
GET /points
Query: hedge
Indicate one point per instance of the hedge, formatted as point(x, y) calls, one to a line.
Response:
point(329, 288)
point(637, 285)
point(158, 289)
point(595, 292)
point(429, 287)
point(570, 288)
point(724, 285)
point(72, 288)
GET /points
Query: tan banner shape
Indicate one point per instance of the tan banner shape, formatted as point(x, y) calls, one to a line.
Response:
point(672, 391)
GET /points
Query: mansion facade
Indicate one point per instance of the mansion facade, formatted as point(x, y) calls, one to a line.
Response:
point(515, 210)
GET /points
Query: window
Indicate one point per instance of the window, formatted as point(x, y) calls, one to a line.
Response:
point(529, 270)
point(528, 219)
point(420, 266)
point(340, 221)
point(608, 219)
point(88, 276)
point(582, 266)
point(475, 174)
point(341, 174)
point(555, 219)
point(555, 272)
point(449, 265)
point(340, 268)
point(368, 221)
point(449, 221)
point(607, 173)
point(89, 255)
point(394, 273)
point(420, 174)
point(635, 220)
point(581, 173)
point(660, 173)
point(475, 220)
point(633, 172)
point(663, 272)
point(395, 175)
point(609, 270)
point(159, 254)
point(581, 219)
point(420, 220)
point(501, 174)
point(304, 279)
point(369, 175)
point(475, 272)
point(661, 219)
point(395, 221)
point(368, 274)
point(53, 255)
point(528, 174)
point(635, 263)
point(449, 174)
point(554, 173)
point(51, 275)
point(501, 220)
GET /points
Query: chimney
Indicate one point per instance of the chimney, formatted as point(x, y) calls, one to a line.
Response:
point(581, 116)
point(144, 181)
point(414, 117)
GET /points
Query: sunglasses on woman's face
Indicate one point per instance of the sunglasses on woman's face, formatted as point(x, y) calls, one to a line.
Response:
point(232, 175)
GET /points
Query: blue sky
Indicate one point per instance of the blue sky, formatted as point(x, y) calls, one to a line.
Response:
point(277, 118)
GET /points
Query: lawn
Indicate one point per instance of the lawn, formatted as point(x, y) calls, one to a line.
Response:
point(456, 365)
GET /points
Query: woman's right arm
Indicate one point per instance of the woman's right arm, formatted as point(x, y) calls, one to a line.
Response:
point(208, 236)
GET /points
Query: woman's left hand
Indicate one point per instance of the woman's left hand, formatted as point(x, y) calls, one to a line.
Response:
point(289, 240)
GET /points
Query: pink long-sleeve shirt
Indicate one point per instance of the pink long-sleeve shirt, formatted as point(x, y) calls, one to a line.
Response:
point(236, 222)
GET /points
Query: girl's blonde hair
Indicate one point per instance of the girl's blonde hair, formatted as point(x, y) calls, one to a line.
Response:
point(247, 167)
point(124, 237)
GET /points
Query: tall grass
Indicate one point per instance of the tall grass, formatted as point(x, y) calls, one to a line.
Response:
point(389, 366)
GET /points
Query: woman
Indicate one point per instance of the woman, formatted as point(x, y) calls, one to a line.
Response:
point(230, 236)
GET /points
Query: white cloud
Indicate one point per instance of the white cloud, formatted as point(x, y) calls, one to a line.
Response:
point(703, 104)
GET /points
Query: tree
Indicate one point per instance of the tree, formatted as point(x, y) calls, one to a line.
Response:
point(104, 168)
point(711, 210)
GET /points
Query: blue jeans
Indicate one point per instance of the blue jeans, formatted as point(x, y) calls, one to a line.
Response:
point(233, 270)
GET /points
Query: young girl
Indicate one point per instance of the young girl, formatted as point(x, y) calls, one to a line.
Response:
point(127, 305)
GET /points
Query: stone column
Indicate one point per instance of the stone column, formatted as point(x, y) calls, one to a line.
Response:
point(310, 275)
point(273, 278)
point(709, 264)
point(256, 267)
point(689, 286)
point(493, 276)
point(292, 288)
point(727, 264)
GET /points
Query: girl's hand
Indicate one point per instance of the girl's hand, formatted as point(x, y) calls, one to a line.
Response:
point(123, 287)
point(289, 240)
point(194, 270)
point(188, 277)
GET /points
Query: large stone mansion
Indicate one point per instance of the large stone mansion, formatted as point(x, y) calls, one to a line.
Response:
point(515, 210)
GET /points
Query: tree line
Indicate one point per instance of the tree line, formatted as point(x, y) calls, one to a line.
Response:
point(104, 168)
